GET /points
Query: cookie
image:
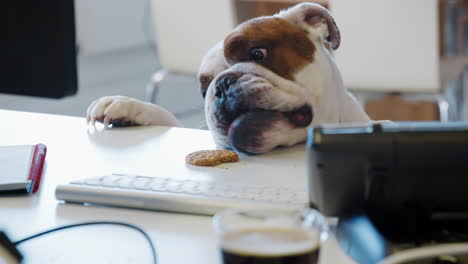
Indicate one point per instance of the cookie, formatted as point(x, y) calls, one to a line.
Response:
point(211, 157)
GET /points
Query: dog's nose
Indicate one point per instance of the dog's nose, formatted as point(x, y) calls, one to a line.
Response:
point(222, 86)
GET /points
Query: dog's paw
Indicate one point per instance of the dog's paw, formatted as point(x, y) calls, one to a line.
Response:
point(118, 111)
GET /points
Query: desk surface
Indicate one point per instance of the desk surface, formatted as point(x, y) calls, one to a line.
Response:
point(76, 150)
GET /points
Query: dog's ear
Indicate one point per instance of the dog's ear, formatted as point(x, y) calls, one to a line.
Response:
point(314, 18)
point(204, 81)
point(212, 64)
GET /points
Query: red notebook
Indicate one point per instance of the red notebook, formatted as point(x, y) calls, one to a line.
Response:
point(21, 168)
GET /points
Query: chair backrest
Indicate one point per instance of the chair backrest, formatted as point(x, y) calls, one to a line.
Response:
point(388, 45)
point(186, 29)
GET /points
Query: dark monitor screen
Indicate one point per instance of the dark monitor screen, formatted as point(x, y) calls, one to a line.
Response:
point(38, 48)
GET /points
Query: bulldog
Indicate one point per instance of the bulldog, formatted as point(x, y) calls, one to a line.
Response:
point(263, 85)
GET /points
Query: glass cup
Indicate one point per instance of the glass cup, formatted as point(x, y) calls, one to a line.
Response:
point(289, 236)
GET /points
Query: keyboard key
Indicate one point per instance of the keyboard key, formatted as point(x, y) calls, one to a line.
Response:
point(205, 188)
point(190, 187)
point(262, 197)
point(247, 196)
point(93, 182)
point(174, 185)
point(253, 190)
point(235, 188)
point(125, 183)
point(140, 185)
point(97, 178)
point(158, 181)
point(144, 187)
point(286, 197)
point(269, 192)
point(158, 184)
point(109, 183)
point(78, 182)
point(158, 187)
point(110, 178)
point(232, 194)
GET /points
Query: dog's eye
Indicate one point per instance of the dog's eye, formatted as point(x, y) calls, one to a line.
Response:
point(258, 54)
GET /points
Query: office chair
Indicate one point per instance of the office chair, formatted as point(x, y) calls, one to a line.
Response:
point(393, 46)
point(460, 10)
point(185, 30)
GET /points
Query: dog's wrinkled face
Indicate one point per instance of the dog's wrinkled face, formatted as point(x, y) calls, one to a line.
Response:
point(260, 85)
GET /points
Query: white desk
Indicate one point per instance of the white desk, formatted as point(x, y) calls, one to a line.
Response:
point(76, 151)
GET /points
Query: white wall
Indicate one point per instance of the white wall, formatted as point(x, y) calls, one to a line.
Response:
point(187, 29)
point(110, 25)
point(388, 45)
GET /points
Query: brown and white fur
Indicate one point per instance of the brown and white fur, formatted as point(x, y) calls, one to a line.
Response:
point(269, 80)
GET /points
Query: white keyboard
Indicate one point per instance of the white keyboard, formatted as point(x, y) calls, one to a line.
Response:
point(182, 196)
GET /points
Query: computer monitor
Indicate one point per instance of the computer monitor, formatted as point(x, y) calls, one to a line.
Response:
point(394, 186)
point(38, 42)
point(398, 174)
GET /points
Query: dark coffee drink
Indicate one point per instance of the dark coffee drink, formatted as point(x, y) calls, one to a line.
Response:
point(270, 246)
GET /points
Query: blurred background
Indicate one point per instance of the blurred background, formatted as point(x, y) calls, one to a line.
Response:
point(403, 59)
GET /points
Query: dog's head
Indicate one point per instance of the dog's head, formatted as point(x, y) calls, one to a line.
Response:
point(262, 84)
